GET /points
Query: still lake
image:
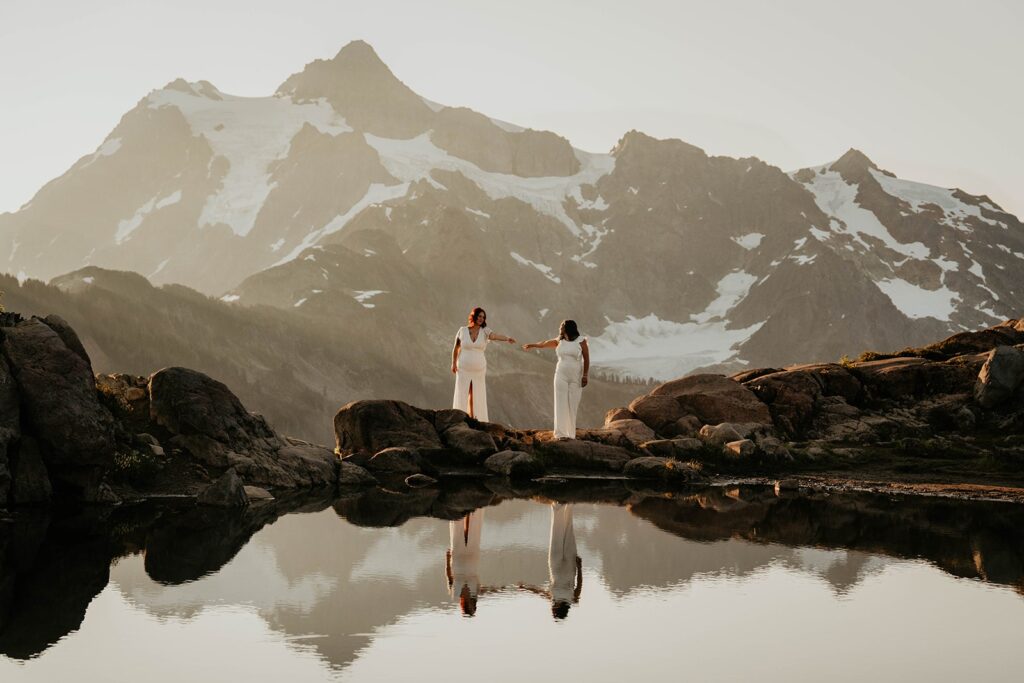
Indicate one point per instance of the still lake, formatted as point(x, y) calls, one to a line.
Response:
point(474, 583)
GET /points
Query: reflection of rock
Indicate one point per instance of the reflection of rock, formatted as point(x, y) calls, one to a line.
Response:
point(50, 573)
point(52, 567)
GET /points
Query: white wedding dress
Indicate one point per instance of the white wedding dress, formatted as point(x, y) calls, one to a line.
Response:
point(568, 386)
point(472, 369)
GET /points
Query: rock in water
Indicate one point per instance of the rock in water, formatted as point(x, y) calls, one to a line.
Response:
point(227, 492)
point(396, 460)
point(664, 469)
point(1000, 376)
point(351, 474)
point(418, 481)
point(515, 465)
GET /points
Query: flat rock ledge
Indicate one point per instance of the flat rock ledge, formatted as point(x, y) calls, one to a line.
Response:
point(396, 441)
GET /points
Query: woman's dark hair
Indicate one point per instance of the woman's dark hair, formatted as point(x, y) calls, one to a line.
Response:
point(560, 609)
point(568, 330)
point(474, 314)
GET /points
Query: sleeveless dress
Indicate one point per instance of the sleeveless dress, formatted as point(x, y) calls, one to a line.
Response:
point(562, 554)
point(472, 369)
point(568, 387)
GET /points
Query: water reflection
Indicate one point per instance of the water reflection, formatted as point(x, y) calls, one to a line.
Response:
point(462, 561)
point(336, 574)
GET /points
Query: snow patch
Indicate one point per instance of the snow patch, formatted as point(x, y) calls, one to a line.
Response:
point(731, 289)
point(838, 199)
point(478, 212)
point(128, 226)
point(251, 133)
point(414, 159)
point(919, 195)
point(917, 302)
point(542, 313)
point(749, 241)
point(545, 270)
point(651, 348)
point(300, 302)
point(108, 148)
point(376, 194)
point(229, 298)
point(364, 296)
point(159, 268)
point(276, 246)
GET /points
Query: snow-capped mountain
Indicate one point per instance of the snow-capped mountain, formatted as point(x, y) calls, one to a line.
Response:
point(346, 194)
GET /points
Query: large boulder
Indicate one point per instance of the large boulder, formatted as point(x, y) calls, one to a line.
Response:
point(211, 424)
point(1000, 376)
point(187, 402)
point(657, 412)
point(371, 426)
point(714, 399)
point(58, 395)
point(68, 335)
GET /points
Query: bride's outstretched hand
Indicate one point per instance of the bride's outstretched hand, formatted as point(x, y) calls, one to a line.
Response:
point(527, 347)
point(511, 340)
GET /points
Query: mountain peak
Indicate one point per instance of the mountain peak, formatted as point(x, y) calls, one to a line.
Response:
point(358, 52)
point(855, 158)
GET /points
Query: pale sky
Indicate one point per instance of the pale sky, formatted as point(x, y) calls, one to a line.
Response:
point(932, 91)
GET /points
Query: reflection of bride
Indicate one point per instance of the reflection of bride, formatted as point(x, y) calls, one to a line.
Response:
point(564, 565)
point(462, 561)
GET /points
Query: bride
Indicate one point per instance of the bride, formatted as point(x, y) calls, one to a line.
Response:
point(469, 365)
point(570, 375)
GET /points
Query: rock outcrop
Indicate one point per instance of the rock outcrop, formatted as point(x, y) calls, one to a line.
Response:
point(69, 435)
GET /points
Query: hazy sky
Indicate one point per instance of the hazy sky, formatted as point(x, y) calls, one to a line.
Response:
point(930, 90)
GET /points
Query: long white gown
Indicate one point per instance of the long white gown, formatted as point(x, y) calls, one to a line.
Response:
point(472, 369)
point(464, 536)
point(562, 554)
point(568, 386)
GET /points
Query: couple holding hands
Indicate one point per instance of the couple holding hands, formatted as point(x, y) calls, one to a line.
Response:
point(470, 368)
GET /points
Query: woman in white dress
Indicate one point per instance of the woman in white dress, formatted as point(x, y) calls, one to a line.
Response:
point(469, 365)
point(570, 375)
point(462, 561)
point(564, 565)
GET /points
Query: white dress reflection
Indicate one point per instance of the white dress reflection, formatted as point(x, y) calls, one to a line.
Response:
point(462, 565)
point(565, 567)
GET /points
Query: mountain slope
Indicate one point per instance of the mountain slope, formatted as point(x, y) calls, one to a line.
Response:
point(348, 198)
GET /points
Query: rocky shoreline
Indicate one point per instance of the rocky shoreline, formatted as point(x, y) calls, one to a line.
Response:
point(942, 419)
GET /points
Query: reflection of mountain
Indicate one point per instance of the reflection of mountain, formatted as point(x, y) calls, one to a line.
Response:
point(331, 584)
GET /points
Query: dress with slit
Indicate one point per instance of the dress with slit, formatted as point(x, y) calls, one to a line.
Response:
point(472, 369)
